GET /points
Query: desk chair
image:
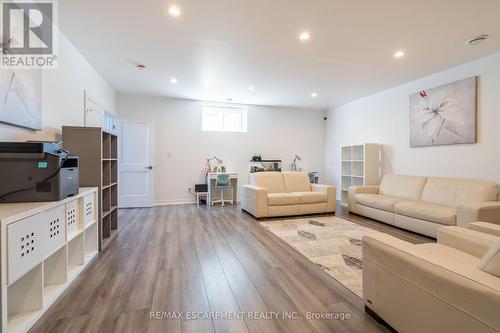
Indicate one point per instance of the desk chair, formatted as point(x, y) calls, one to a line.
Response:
point(222, 182)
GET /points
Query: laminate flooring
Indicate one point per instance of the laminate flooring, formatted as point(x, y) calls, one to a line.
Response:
point(188, 269)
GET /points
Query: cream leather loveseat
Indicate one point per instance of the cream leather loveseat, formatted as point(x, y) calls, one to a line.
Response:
point(425, 204)
point(432, 288)
point(285, 194)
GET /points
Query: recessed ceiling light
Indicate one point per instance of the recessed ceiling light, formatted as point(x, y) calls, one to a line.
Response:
point(173, 80)
point(314, 95)
point(174, 11)
point(251, 88)
point(399, 54)
point(304, 36)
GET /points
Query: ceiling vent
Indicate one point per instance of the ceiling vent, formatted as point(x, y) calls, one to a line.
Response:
point(476, 40)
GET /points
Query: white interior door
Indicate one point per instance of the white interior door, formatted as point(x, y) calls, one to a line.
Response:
point(94, 113)
point(135, 164)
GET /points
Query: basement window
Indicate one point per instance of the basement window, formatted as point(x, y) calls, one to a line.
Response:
point(224, 118)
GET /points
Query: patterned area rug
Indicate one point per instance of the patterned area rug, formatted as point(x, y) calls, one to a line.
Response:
point(332, 243)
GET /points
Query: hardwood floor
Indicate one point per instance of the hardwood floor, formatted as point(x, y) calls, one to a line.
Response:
point(193, 261)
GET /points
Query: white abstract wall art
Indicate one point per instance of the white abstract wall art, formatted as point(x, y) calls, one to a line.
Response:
point(444, 115)
point(21, 98)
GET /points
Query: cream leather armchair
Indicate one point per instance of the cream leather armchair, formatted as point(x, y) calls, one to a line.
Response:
point(432, 287)
point(286, 194)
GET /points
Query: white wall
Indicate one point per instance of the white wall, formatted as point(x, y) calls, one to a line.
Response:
point(277, 133)
point(384, 118)
point(62, 96)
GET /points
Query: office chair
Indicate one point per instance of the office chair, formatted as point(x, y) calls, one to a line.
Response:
point(222, 182)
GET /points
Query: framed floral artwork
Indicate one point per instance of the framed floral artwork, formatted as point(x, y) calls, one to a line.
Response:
point(444, 115)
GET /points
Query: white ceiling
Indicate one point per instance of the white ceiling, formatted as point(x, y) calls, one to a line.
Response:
point(218, 48)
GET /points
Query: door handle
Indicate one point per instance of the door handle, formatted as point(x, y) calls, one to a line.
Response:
point(150, 167)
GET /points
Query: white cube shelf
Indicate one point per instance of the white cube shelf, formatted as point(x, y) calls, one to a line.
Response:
point(360, 165)
point(44, 246)
point(91, 241)
point(25, 301)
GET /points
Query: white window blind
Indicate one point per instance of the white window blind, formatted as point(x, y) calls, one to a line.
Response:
point(222, 118)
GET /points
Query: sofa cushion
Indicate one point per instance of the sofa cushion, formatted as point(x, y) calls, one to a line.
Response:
point(377, 201)
point(452, 192)
point(312, 197)
point(400, 186)
point(296, 181)
point(490, 263)
point(441, 253)
point(428, 212)
point(272, 181)
point(282, 199)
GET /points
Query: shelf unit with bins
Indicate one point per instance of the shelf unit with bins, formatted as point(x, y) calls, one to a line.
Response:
point(98, 152)
point(360, 165)
point(41, 247)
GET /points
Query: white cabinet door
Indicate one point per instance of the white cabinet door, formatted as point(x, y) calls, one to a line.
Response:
point(135, 140)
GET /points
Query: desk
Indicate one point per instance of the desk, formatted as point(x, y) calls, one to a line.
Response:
point(213, 193)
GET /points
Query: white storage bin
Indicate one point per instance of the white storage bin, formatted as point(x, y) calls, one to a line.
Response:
point(88, 208)
point(73, 218)
point(23, 241)
point(53, 233)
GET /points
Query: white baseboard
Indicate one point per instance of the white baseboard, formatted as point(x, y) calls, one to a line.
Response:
point(176, 202)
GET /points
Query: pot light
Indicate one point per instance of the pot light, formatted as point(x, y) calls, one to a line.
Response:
point(174, 11)
point(399, 54)
point(314, 95)
point(173, 80)
point(251, 88)
point(304, 36)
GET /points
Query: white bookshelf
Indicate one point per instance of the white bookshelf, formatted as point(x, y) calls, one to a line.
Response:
point(44, 246)
point(360, 165)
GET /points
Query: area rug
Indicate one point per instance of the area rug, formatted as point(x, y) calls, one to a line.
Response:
point(332, 243)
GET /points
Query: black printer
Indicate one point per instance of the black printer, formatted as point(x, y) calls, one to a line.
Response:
point(37, 171)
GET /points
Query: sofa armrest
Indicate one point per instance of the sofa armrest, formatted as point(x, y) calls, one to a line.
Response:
point(466, 240)
point(353, 190)
point(478, 211)
point(485, 227)
point(254, 200)
point(331, 193)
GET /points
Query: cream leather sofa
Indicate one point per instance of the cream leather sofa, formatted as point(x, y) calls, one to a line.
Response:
point(425, 204)
point(432, 287)
point(285, 194)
